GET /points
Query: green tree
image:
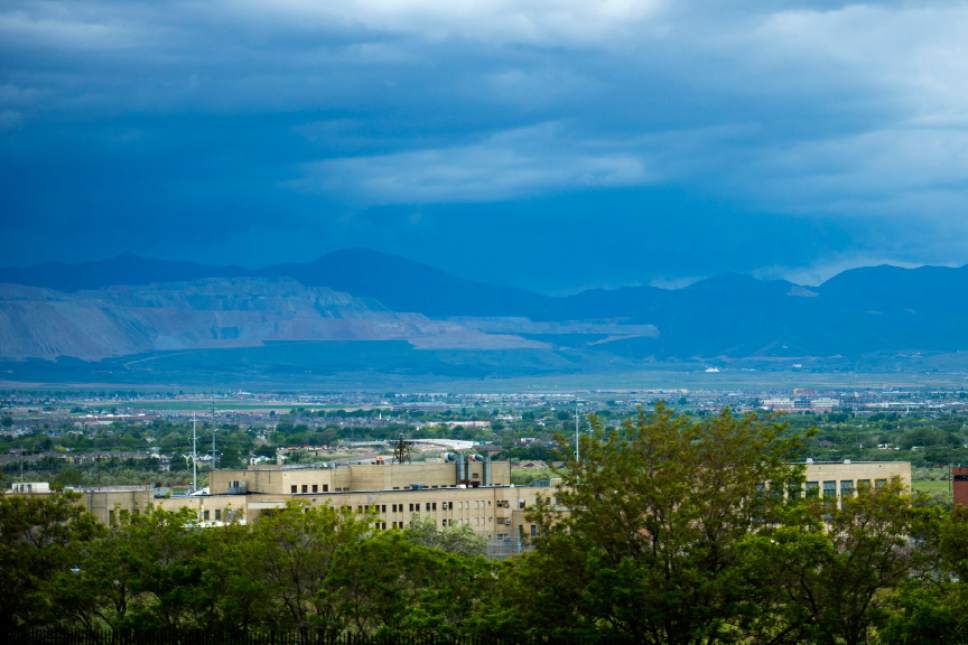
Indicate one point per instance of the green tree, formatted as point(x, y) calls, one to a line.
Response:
point(460, 538)
point(40, 538)
point(392, 586)
point(932, 607)
point(835, 569)
point(650, 549)
point(293, 551)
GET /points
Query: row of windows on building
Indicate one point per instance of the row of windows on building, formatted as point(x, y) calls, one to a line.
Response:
point(228, 515)
point(417, 507)
point(846, 487)
point(296, 489)
point(444, 523)
point(829, 489)
point(204, 516)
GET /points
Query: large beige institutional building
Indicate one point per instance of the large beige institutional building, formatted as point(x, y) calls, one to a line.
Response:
point(478, 494)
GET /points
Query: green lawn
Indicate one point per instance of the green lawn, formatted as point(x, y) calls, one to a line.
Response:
point(933, 487)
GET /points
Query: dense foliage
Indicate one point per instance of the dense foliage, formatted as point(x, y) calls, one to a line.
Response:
point(668, 529)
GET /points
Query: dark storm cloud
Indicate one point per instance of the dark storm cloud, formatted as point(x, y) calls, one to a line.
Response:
point(790, 139)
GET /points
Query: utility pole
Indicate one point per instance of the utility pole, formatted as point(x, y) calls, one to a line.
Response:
point(577, 427)
point(951, 486)
point(213, 432)
point(194, 454)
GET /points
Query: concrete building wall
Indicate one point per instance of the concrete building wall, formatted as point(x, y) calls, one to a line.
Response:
point(269, 480)
point(301, 481)
point(110, 504)
point(841, 479)
point(490, 511)
point(210, 510)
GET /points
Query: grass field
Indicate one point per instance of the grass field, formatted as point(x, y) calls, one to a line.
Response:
point(931, 481)
point(933, 487)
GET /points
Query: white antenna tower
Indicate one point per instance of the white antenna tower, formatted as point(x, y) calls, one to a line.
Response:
point(194, 455)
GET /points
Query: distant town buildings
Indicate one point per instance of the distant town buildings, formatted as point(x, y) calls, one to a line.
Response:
point(800, 404)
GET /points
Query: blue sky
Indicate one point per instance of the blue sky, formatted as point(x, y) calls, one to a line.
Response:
point(557, 145)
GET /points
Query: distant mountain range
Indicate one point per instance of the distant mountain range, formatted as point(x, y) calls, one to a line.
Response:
point(129, 305)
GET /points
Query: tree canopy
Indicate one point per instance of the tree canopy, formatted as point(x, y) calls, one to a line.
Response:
point(667, 529)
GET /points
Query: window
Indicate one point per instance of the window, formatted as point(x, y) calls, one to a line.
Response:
point(847, 488)
point(305, 488)
point(880, 483)
point(411, 507)
point(325, 488)
point(432, 506)
point(813, 489)
point(793, 490)
point(830, 488)
point(315, 488)
point(359, 509)
point(534, 530)
point(863, 485)
point(111, 518)
point(205, 515)
point(521, 503)
point(383, 509)
point(293, 489)
point(218, 515)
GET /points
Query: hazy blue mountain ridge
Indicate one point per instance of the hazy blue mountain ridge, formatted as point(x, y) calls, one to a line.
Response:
point(881, 309)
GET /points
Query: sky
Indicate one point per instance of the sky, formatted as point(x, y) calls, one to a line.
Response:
point(550, 144)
